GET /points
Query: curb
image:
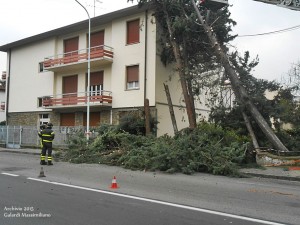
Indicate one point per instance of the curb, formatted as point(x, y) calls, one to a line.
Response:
point(272, 176)
point(247, 174)
point(37, 152)
point(21, 152)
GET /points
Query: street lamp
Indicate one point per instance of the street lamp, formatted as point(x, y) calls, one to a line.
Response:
point(88, 76)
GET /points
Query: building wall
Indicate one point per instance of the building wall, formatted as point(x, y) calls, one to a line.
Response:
point(26, 78)
point(168, 75)
point(26, 82)
point(127, 55)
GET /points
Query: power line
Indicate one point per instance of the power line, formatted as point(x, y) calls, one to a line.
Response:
point(272, 32)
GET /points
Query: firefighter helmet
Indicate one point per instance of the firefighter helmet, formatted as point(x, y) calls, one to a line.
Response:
point(49, 125)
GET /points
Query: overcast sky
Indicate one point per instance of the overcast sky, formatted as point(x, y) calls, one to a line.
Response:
point(23, 18)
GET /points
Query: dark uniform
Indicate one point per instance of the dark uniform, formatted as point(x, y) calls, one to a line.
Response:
point(47, 135)
point(42, 127)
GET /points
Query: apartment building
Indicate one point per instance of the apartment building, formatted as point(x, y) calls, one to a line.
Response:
point(47, 74)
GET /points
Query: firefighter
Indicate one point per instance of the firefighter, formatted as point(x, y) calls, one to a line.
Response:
point(42, 127)
point(47, 135)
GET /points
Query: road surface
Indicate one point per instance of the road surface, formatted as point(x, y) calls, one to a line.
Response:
point(83, 192)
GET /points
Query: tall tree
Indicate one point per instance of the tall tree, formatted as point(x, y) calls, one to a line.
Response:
point(186, 44)
point(239, 90)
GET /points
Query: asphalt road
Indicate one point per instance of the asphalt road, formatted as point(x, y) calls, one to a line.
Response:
point(35, 202)
point(82, 192)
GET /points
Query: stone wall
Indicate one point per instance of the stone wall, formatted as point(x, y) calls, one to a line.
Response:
point(32, 118)
point(23, 119)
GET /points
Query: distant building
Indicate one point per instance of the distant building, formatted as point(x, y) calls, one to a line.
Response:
point(47, 74)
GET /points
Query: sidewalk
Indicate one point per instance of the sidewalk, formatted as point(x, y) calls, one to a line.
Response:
point(267, 172)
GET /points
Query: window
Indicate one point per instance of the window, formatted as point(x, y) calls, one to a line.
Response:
point(97, 39)
point(96, 83)
point(40, 102)
point(44, 118)
point(41, 67)
point(69, 88)
point(132, 77)
point(133, 32)
point(97, 42)
point(71, 50)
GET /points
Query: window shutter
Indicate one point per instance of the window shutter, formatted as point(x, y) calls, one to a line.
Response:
point(67, 119)
point(97, 39)
point(96, 78)
point(94, 119)
point(132, 73)
point(133, 31)
point(70, 84)
point(71, 45)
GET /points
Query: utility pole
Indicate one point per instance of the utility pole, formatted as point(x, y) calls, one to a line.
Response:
point(88, 76)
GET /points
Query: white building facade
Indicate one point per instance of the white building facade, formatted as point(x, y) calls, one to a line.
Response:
point(47, 74)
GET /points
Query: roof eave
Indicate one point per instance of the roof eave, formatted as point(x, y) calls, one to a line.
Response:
point(96, 21)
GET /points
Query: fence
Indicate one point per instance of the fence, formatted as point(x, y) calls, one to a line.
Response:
point(27, 136)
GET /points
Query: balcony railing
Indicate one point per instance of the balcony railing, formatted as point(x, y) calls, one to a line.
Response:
point(77, 99)
point(98, 53)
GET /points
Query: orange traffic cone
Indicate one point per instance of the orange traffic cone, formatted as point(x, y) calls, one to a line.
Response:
point(114, 184)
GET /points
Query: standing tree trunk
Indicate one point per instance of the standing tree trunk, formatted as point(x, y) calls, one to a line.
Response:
point(147, 117)
point(181, 70)
point(238, 89)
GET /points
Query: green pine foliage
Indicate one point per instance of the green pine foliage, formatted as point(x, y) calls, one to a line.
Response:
point(208, 148)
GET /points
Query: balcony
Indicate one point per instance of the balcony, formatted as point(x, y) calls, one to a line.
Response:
point(100, 55)
point(2, 106)
point(77, 100)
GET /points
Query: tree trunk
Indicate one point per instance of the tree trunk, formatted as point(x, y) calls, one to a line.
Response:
point(147, 117)
point(180, 68)
point(250, 130)
point(172, 114)
point(238, 89)
point(189, 82)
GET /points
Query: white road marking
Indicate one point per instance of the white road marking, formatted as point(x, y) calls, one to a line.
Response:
point(10, 174)
point(161, 202)
point(35, 179)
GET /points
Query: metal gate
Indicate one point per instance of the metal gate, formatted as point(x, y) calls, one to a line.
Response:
point(27, 136)
point(10, 136)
